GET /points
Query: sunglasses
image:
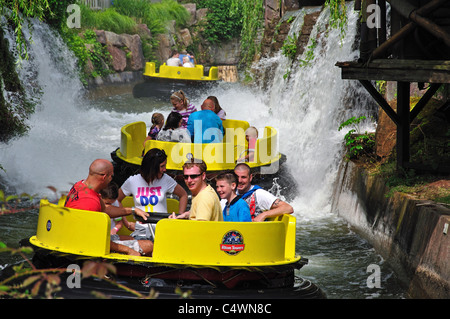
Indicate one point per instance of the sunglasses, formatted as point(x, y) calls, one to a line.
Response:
point(192, 176)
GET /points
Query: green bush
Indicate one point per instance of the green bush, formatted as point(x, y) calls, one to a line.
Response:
point(224, 19)
point(97, 54)
point(108, 19)
point(358, 144)
point(154, 15)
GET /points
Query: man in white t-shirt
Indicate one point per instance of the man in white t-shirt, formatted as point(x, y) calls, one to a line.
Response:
point(262, 203)
point(174, 60)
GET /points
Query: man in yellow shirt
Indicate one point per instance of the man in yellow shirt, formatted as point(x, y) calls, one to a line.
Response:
point(205, 202)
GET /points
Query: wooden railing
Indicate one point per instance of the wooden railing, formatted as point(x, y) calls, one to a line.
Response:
point(97, 4)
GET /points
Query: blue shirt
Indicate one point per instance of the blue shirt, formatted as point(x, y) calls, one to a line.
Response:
point(237, 211)
point(181, 56)
point(206, 127)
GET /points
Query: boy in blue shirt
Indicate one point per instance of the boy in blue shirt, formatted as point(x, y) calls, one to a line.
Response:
point(236, 209)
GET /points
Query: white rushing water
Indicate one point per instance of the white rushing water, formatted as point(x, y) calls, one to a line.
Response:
point(68, 131)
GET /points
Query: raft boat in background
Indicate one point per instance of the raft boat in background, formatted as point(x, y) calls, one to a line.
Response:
point(218, 157)
point(174, 78)
point(212, 259)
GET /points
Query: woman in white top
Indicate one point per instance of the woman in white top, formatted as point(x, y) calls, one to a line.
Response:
point(149, 188)
point(172, 131)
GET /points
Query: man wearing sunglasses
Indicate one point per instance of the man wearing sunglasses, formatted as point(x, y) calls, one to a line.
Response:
point(205, 202)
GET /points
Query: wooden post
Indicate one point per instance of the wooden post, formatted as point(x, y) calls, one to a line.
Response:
point(403, 112)
point(407, 29)
point(228, 73)
point(382, 31)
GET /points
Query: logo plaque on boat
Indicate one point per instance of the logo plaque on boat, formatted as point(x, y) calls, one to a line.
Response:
point(232, 243)
point(49, 225)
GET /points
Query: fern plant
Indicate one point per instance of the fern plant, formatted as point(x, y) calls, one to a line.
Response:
point(357, 144)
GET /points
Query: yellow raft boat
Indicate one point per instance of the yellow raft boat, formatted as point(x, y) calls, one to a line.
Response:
point(213, 259)
point(173, 78)
point(217, 156)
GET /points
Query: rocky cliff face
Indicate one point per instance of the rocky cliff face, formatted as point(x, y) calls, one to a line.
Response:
point(127, 53)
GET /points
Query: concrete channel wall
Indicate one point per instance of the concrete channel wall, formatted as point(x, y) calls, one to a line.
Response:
point(410, 234)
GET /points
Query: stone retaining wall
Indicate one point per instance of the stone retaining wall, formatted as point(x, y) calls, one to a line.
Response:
point(410, 234)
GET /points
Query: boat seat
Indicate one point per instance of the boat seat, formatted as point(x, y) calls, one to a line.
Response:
point(183, 242)
point(73, 230)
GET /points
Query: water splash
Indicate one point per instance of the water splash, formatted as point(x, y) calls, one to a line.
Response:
point(66, 133)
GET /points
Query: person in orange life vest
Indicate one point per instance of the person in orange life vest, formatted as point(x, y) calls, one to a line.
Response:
point(85, 195)
point(262, 203)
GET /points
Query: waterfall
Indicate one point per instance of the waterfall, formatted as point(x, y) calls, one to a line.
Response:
point(308, 107)
point(68, 130)
point(64, 131)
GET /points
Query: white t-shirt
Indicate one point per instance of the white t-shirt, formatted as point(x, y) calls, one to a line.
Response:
point(264, 200)
point(174, 62)
point(180, 134)
point(149, 197)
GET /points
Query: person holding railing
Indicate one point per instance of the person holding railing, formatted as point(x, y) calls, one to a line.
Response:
point(85, 195)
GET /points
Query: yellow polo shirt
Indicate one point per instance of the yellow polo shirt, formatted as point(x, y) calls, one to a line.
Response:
point(206, 206)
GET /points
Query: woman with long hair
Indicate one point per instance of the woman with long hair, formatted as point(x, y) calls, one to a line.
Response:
point(181, 105)
point(172, 131)
point(149, 188)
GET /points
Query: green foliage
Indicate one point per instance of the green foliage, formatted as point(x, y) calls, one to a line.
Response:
point(224, 19)
point(19, 11)
point(357, 144)
point(109, 20)
point(93, 58)
point(252, 15)
point(12, 117)
point(28, 282)
point(10, 204)
point(154, 15)
point(289, 48)
point(57, 13)
point(338, 15)
point(309, 55)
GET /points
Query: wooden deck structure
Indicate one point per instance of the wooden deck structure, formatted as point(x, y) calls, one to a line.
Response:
point(417, 51)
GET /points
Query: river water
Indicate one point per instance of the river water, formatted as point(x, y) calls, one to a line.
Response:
point(72, 127)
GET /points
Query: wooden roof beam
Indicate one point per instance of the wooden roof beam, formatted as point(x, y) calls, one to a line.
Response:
point(381, 101)
point(408, 28)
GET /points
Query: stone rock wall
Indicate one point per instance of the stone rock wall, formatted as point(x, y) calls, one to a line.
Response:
point(125, 50)
point(408, 233)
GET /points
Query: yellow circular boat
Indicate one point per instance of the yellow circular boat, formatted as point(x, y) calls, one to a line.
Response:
point(212, 259)
point(218, 157)
point(173, 78)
